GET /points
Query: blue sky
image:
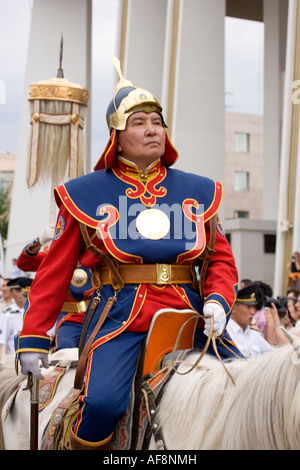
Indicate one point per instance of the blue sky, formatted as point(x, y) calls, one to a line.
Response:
point(243, 72)
point(14, 30)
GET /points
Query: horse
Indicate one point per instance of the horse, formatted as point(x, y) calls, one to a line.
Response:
point(241, 404)
point(254, 405)
point(15, 424)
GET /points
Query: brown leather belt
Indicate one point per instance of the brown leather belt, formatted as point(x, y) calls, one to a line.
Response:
point(76, 307)
point(150, 274)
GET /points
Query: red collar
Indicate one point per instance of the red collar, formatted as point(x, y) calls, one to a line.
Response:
point(131, 169)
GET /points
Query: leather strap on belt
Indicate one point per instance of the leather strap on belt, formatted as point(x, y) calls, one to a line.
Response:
point(150, 274)
point(209, 250)
point(78, 381)
point(75, 307)
point(116, 279)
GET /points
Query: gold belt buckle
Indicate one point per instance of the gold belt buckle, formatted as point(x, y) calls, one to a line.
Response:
point(81, 306)
point(163, 274)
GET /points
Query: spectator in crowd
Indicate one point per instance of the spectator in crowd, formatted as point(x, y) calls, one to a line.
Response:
point(245, 282)
point(259, 319)
point(294, 263)
point(12, 317)
point(247, 338)
point(6, 297)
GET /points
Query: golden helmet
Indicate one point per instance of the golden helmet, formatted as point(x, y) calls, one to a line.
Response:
point(127, 100)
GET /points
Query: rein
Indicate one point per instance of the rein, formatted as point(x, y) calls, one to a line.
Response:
point(149, 397)
point(211, 339)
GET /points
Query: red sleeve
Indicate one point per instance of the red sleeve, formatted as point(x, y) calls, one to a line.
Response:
point(30, 262)
point(221, 277)
point(52, 281)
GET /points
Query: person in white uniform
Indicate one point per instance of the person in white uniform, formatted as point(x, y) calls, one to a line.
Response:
point(12, 317)
point(248, 339)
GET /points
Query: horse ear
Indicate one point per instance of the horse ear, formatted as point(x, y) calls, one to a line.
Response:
point(292, 338)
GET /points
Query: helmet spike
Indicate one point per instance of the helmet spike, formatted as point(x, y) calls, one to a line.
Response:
point(122, 81)
point(117, 65)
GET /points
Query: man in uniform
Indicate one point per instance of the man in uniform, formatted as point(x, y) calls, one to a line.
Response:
point(140, 226)
point(12, 317)
point(247, 338)
point(7, 303)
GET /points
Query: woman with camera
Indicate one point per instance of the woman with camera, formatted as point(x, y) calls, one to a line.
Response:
point(275, 319)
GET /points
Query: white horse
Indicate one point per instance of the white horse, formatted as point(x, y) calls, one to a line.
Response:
point(260, 411)
point(254, 404)
point(16, 423)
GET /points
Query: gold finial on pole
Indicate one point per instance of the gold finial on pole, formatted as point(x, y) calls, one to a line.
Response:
point(60, 72)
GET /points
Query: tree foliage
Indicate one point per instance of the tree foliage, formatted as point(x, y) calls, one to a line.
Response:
point(4, 211)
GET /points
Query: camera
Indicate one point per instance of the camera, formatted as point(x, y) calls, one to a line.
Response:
point(280, 303)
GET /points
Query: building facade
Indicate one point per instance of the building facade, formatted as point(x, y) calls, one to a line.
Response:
point(243, 182)
point(7, 170)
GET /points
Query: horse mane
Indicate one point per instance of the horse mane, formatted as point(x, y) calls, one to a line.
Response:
point(267, 403)
point(261, 411)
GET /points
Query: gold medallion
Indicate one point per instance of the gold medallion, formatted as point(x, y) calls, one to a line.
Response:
point(79, 278)
point(153, 224)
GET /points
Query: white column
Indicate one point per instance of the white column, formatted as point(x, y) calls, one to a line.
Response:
point(30, 208)
point(272, 108)
point(145, 43)
point(296, 228)
point(198, 118)
point(198, 103)
point(282, 222)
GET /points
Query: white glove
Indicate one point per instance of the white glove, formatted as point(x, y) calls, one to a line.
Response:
point(47, 234)
point(212, 309)
point(30, 363)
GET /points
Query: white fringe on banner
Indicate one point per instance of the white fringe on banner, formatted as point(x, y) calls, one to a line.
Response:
point(57, 141)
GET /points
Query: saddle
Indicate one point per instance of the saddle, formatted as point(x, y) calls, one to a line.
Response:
point(170, 337)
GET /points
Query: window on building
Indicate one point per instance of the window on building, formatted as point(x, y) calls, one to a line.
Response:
point(241, 181)
point(241, 142)
point(241, 214)
point(228, 237)
point(269, 243)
